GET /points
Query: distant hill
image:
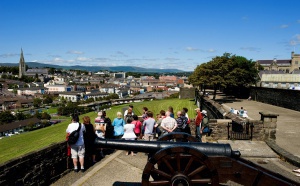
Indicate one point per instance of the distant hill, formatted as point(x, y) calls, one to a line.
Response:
point(96, 68)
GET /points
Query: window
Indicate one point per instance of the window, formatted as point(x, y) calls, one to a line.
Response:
point(296, 62)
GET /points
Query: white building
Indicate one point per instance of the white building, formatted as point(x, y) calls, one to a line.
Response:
point(31, 91)
point(58, 88)
point(72, 96)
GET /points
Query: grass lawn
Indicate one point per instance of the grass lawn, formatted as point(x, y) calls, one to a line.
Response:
point(19, 145)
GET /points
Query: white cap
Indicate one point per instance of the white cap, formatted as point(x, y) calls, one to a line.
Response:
point(204, 112)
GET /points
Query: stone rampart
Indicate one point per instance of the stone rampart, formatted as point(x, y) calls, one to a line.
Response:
point(37, 168)
point(279, 97)
point(51, 163)
point(186, 93)
point(219, 119)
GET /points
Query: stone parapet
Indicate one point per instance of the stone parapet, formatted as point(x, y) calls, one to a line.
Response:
point(269, 121)
point(37, 168)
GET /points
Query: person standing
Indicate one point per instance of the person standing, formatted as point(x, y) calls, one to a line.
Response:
point(170, 109)
point(89, 139)
point(168, 124)
point(99, 119)
point(186, 112)
point(162, 115)
point(144, 115)
point(109, 129)
point(129, 134)
point(182, 122)
point(77, 149)
point(149, 125)
point(198, 121)
point(204, 124)
point(138, 126)
point(130, 110)
point(118, 124)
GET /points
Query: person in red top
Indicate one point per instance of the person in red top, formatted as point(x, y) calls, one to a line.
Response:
point(198, 121)
point(138, 126)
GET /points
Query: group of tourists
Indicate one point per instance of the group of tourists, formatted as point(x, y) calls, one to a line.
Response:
point(242, 112)
point(148, 126)
point(129, 126)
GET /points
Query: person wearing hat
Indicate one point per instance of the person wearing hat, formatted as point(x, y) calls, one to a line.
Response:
point(198, 121)
point(204, 124)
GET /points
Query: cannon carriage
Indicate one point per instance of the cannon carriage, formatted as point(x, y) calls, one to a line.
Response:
point(188, 162)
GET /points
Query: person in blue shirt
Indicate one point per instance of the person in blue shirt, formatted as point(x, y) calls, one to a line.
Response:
point(118, 125)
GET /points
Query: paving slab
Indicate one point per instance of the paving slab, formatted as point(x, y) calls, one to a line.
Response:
point(251, 148)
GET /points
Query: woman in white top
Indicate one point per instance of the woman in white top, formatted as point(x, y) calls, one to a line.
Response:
point(77, 149)
point(129, 133)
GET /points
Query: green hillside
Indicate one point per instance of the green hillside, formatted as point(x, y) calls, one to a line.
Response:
point(18, 145)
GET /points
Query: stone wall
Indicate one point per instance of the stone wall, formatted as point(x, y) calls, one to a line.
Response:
point(37, 168)
point(186, 93)
point(219, 120)
point(280, 97)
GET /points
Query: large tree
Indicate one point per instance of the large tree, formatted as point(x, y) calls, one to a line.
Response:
point(6, 117)
point(225, 71)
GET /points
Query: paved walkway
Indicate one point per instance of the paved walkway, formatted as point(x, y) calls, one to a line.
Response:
point(288, 122)
point(118, 169)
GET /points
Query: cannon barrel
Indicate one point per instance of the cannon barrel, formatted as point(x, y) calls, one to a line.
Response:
point(209, 149)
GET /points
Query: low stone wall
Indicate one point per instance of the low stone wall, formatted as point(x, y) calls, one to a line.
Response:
point(37, 168)
point(219, 119)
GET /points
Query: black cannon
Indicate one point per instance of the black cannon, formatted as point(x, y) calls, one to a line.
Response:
point(194, 163)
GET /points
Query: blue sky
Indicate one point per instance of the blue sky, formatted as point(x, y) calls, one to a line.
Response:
point(177, 34)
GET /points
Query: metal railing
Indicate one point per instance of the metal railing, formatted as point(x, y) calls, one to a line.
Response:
point(240, 131)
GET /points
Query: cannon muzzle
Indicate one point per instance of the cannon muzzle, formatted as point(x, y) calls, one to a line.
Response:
point(209, 149)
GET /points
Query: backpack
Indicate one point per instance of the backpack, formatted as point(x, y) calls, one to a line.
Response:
point(73, 137)
point(184, 122)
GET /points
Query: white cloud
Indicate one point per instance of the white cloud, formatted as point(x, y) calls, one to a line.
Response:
point(252, 49)
point(74, 52)
point(191, 49)
point(171, 59)
point(54, 56)
point(211, 50)
point(293, 42)
point(83, 59)
point(57, 59)
point(284, 26)
point(8, 55)
point(197, 49)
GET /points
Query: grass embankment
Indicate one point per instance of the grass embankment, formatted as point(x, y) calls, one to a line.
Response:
point(19, 145)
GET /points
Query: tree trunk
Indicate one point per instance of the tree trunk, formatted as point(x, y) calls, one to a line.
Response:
point(215, 92)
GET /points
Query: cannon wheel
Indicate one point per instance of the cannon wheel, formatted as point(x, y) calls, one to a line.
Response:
point(178, 136)
point(176, 166)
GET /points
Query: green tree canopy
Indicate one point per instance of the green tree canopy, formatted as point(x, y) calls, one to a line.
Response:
point(37, 102)
point(225, 71)
point(6, 117)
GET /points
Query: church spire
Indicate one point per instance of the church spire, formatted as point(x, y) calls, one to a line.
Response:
point(21, 65)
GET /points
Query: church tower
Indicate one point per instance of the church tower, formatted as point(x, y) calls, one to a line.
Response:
point(21, 65)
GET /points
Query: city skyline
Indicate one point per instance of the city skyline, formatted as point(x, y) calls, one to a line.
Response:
point(150, 34)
